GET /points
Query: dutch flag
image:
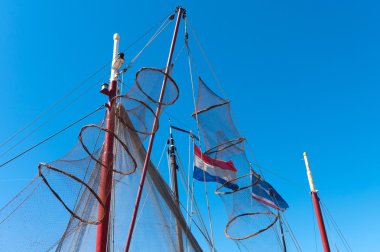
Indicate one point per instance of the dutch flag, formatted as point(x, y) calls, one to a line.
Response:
point(213, 170)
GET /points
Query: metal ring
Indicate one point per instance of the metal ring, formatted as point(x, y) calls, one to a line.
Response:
point(130, 126)
point(253, 234)
point(225, 145)
point(117, 138)
point(165, 75)
point(61, 200)
point(218, 192)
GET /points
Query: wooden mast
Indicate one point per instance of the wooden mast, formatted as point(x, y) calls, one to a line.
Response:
point(174, 185)
point(108, 156)
point(180, 13)
point(317, 207)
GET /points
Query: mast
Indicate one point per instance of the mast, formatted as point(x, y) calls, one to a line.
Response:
point(180, 12)
point(282, 233)
point(317, 207)
point(174, 185)
point(108, 157)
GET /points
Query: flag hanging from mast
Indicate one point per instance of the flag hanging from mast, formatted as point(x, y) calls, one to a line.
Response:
point(263, 192)
point(213, 170)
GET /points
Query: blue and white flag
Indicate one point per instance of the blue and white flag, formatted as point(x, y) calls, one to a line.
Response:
point(263, 192)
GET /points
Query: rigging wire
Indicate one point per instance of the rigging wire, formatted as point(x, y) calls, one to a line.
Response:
point(335, 226)
point(198, 131)
point(191, 194)
point(200, 230)
point(23, 201)
point(255, 162)
point(155, 35)
point(247, 143)
point(148, 31)
point(183, 124)
point(28, 125)
point(50, 137)
point(207, 60)
point(147, 194)
point(39, 116)
point(188, 199)
point(291, 233)
point(188, 191)
point(44, 123)
point(18, 195)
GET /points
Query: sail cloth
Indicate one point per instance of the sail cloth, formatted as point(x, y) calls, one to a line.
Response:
point(263, 192)
point(213, 170)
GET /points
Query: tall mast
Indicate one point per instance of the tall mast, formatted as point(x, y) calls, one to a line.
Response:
point(180, 13)
point(317, 207)
point(108, 157)
point(174, 185)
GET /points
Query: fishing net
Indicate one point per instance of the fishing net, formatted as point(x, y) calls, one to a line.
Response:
point(249, 221)
point(59, 209)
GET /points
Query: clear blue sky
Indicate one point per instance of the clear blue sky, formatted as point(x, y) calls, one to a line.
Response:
point(301, 75)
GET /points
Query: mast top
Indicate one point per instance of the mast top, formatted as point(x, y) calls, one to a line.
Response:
point(116, 36)
point(309, 176)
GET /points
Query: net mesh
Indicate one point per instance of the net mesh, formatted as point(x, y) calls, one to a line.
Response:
point(249, 221)
point(58, 210)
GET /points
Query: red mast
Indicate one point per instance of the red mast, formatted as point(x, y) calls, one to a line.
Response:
point(180, 12)
point(317, 207)
point(108, 157)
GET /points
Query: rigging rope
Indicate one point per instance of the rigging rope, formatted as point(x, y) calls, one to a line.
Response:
point(292, 236)
point(191, 194)
point(207, 60)
point(51, 136)
point(335, 226)
point(155, 35)
point(198, 131)
point(45, 122)
point(39, 116)
point(52, 106)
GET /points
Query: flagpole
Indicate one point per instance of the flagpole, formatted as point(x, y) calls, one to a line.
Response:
point(317, 207)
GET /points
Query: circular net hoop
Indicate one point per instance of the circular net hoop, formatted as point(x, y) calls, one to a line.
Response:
point(149, 81)
point(49, 169)
point(252, 214)
point(125, 147)
point(225, 145)
point(136, 123)
point(219, 189)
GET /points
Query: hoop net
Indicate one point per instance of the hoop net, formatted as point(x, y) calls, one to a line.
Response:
point(250, 223)
point(58, 209)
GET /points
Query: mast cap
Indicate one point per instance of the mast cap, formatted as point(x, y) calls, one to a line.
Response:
point(305, 154)
point(116, 36)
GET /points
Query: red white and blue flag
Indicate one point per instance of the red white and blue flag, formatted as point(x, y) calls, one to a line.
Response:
point(263, 192)
point(213, 170)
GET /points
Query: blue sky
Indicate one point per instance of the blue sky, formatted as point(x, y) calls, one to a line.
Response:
point(301, 75)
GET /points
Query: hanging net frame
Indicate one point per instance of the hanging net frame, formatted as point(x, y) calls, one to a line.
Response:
point(61, 204)
point(249, 220)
